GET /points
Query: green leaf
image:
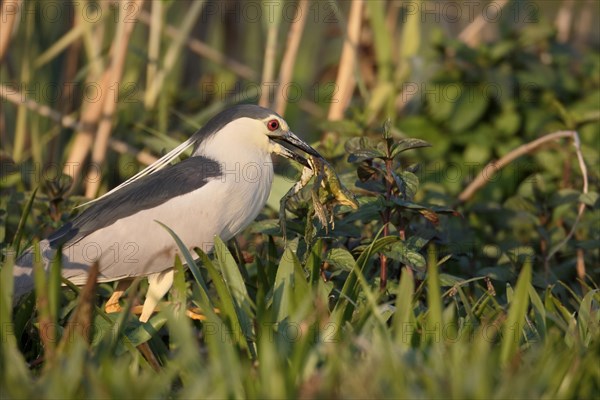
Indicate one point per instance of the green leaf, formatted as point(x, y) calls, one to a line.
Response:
point(365, 154)
point(387, 129)
point(441, 99)
point(408, 205)
point(508, 122)
point(362, 149)
point(408, 144)
point(471, 106)
point(144, 332)
point(590, 199)
point(515, 322)
point(477, 153)
point(340, 258)
point(365, 171)
point(289, 283)
point(408, 184)
point(400, 252)
point(564, 196)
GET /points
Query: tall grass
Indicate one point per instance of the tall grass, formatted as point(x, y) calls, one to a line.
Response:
point(290, 345)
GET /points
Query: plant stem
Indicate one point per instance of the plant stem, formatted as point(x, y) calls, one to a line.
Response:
point(387, 216)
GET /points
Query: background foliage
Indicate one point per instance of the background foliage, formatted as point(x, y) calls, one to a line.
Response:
point(484, 295)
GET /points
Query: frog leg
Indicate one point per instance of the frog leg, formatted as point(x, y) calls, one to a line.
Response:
point(307, 174)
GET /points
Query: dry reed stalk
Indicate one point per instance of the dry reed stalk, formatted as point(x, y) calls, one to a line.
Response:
point(115, 71)
point(268, 72)
point(563, 21)
point(90, 110)
point(9, 11)
point(156, 25)
point(586, 20)
point(172, 55)
point(289, 57)
point(345, 81)
point(470, 35)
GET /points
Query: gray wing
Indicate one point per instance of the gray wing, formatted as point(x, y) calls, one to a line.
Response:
point(147, 192)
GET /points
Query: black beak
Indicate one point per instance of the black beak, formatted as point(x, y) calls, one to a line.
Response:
point(290, 138)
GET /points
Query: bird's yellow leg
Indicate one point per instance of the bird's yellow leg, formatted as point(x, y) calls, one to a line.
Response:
point(195, 314)
point(192, 313)
point(112, 305)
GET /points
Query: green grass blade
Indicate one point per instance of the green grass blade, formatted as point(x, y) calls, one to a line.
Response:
point(23, 221)
point(226, 301)
point(349, 293)
point(434, 320)
point(54, 285)
point(515, 322)
point(7, 287)
point(588, 317)
point(238, 294)
point(189, 259)
point(290, 283)
point(540, 311)
point(313, 264)
point(403, 320)
point(12, 362)
point(179, 286)
point(47, 325)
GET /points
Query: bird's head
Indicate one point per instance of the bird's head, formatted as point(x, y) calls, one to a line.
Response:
point(249, 126)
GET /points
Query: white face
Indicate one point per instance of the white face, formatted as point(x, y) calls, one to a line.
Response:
point(248, 138)
point(242, 136)
point(249, 132)
point(276, 125)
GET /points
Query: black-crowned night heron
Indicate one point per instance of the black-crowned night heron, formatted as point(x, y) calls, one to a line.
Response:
point(217, 191)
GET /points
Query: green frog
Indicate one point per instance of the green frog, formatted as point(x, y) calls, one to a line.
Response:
point(326, 192)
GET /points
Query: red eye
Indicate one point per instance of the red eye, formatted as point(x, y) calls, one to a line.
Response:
point(273, 125)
